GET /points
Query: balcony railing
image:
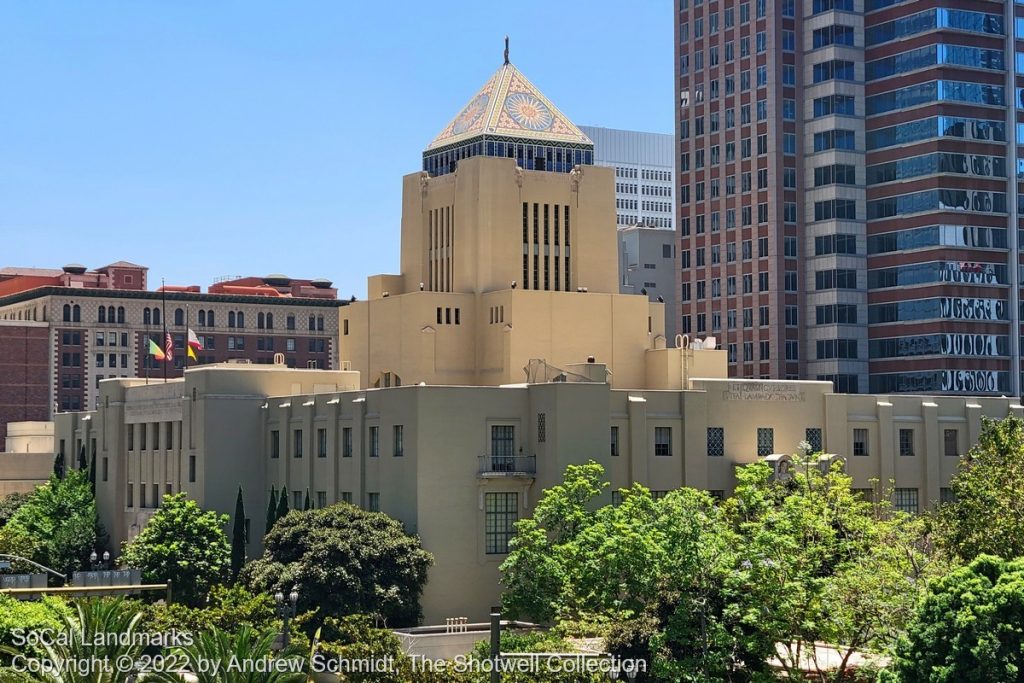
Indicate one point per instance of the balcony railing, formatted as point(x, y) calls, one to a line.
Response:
point(508, 464)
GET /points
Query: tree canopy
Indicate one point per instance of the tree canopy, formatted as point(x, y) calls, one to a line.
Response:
point(344, 561)
point(968, 627)
point(987, 513)
point(183, 544)
point(56, 524)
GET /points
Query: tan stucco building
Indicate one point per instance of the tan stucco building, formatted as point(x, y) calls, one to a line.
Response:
point(505, 267)
point(459, 464)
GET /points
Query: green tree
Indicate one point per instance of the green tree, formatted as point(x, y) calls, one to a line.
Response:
point(60, 520)
point(818, 563)
point(227, 608)
point(9, 504)
point(59, 465)
point(344, 561)
point(238, 538)
point(987, 515)
point(92, 473)
point(271, 511)
point(282, 504)
point(83, 464)
point(183, 544)
point(306, 505)
point(19, 618)
point(968, 627)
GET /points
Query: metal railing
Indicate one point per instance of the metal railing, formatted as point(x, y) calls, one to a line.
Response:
point(508, 464)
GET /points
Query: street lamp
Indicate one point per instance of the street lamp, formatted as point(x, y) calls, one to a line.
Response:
point(96, 564)
point(626, 671)
point(286, 610)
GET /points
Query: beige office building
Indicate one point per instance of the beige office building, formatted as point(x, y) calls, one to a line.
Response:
point(499, 355)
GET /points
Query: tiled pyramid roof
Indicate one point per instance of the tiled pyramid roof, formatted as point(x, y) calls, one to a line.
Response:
point(508, 105)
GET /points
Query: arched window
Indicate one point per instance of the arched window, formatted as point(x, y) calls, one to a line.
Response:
point(231, 318)
point(156, 316)
point(120, 314)
point(241, 319)
point(210, 319)
point(102, 315)
point(179, 316)
point(202, 318)
point(110, 314)
point(259, 321)
point(312, 322)
point(146, 319)
point(67, 313)
point(320, 323)
point(76, 313)
point(270, 321)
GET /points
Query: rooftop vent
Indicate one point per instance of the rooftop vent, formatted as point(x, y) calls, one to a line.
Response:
point(277, 280)
point(75, 269)
point(321, 283)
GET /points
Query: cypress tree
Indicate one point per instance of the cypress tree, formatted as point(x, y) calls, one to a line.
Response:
point(282, 503)
point(59, 466)
point(82, 463)
point(271, 509)
point(92, 474)
point(238, 538)
point(307, 505)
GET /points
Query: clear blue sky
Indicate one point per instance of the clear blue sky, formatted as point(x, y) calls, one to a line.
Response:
point(206, 138)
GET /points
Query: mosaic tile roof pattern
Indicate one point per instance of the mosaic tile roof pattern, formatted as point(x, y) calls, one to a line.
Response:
point(508, 105)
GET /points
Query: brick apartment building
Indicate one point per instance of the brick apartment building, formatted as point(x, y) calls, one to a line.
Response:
point(62, 331)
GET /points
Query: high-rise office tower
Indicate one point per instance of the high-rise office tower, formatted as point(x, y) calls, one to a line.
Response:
point(846, 184)
point(645, 176)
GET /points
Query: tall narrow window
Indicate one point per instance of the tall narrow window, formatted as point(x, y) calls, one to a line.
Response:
point(399, 441)
point(275, 444)
point(297, 451)
point(906, 442)
point(375, 442)
point(321, 443)
point(346, 442)
point(860, 442)
point(949, 442)
point(501, 514)
point(615, 441)
point(765, 441)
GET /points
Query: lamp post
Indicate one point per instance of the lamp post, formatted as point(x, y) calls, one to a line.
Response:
point(286, 610)
point(94, 560)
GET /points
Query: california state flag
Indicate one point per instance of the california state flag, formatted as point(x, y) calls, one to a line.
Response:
point(193, 344)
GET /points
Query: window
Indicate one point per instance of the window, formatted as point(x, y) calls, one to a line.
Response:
point(374, 442)
point(615, 441)
point(860, 442)
point(946, 495)
point(906, 500)
point(192, 469)
point(765, 441)
point(321, 443)
point(949, 443)
point(346, 497)
point(716, 442)
point(663, 441)
point(373, 501)
point(542, 430)
point(399, 441)
point(501, 514)
point(275, 444)
point(297, 435)
point(813, 437)
point(346, 442)
point(106, 468)
point(321, 499)
point(502, 441)
point(906, 442)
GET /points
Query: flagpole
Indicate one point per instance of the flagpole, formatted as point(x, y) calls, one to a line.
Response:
point(187, 347)
point(163, 316)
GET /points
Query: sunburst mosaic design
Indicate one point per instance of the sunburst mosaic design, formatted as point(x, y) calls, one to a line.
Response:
point(528, 111)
